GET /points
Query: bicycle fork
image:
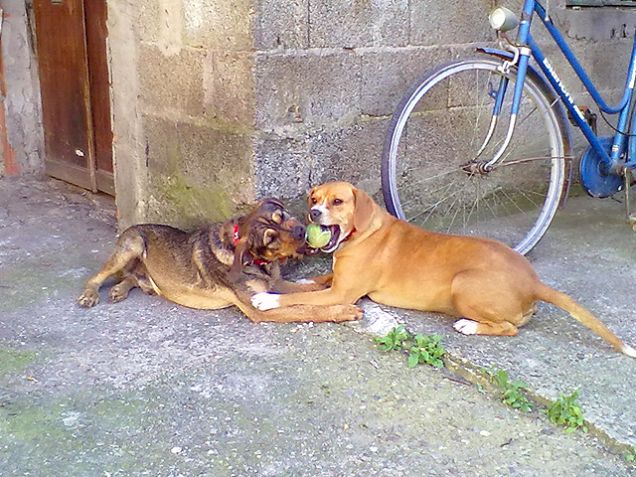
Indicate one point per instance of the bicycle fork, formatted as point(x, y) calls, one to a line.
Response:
point(520, 59)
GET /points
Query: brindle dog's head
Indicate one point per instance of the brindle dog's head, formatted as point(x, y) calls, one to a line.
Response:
point(267, 234)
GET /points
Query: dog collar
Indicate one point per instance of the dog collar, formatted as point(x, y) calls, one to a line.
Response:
point(235, 234)
point(353, 231)
point(235, 240)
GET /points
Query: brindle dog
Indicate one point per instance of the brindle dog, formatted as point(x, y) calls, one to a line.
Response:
point(215, 266)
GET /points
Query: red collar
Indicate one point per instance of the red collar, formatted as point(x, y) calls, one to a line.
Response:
point(235, 234)
point(235, 240)
point(353, 231)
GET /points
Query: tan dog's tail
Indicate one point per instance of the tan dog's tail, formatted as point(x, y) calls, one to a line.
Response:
point(563, 301)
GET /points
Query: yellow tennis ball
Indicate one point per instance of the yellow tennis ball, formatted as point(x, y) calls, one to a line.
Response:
point(316, 236)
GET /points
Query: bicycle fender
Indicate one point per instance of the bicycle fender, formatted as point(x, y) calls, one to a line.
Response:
point(506, 55)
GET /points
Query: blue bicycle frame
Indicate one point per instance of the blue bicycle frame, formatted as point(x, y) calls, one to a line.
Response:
point(528, 47)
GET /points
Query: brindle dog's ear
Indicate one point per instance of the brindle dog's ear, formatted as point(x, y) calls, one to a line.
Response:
point(268, 236)
point(363, 209)
point(239, 253)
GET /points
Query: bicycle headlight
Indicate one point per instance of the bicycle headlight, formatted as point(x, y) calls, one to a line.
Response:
point(503, 19)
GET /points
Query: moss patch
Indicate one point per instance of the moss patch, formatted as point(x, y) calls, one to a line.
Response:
point(211, 202)
point(14, 361)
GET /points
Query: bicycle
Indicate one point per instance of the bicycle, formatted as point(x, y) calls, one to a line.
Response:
point(502, 182)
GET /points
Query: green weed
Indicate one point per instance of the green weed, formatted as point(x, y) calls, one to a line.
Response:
point(421, 349)
point(394, 339)
point(566, 412)
point(630, 455)
point(512, 391)
point(427, 349)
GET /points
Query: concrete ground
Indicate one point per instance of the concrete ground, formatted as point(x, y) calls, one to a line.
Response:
point(145, 387)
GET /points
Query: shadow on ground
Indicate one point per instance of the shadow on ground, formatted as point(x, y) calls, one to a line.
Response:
point(145, 387)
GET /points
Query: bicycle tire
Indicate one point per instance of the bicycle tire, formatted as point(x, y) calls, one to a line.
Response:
point(551, 112)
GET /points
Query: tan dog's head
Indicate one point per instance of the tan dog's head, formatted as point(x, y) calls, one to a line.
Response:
point(342, 208)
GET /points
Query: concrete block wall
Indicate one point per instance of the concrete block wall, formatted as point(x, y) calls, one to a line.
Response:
point(183, 109)
point(21, 138)
point(325, 94)
point(219, 102)
point(330, 89)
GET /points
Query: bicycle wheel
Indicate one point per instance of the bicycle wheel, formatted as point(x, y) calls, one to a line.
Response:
point(430, 167)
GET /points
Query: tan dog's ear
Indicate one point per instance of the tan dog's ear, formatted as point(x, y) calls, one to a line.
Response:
point(309, 204)
point(309, 194)
point(363, 212)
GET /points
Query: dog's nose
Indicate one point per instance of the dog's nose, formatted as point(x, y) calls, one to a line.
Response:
point(298, 232)
point(314, 214)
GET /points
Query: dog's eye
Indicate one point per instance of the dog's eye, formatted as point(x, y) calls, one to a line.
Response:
point(337, 201)
point(314, 201)
point(277, 217)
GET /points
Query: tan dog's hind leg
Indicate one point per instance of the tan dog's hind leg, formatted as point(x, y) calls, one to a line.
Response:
point(487, 308)
point(471, 327)
point(129, 248)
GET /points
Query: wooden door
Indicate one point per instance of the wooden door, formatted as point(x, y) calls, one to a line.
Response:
point(74, 84)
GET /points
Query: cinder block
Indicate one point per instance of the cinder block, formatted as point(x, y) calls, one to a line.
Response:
point(288, 166)
point(334, 23)
point(282, 166)
point(218, 24)
point(229, 88)
point(387, 75)
point(156, 21)
point(148, 17)
point(306, 88)
point(605, 62)
point(281, 24)
point(595, 24)
point(352, 154)
point(169, 82)
point(451, 22)
point(195, 174)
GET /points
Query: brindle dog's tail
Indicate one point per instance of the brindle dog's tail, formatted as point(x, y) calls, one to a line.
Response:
point(583, 316)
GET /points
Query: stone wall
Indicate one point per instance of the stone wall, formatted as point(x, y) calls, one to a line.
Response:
point(183, 109)
point(21, 135)
point(219, 102)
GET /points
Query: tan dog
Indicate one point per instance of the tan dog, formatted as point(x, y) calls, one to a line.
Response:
point(395, 263)
point(216, 266)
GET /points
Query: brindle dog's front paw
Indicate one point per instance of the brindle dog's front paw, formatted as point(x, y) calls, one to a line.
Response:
point(89, 298)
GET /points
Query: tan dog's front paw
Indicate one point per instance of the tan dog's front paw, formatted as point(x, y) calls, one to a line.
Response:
point(89, 298)
point(351, 312)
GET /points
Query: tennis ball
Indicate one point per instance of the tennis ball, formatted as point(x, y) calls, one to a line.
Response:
point(316, 236)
